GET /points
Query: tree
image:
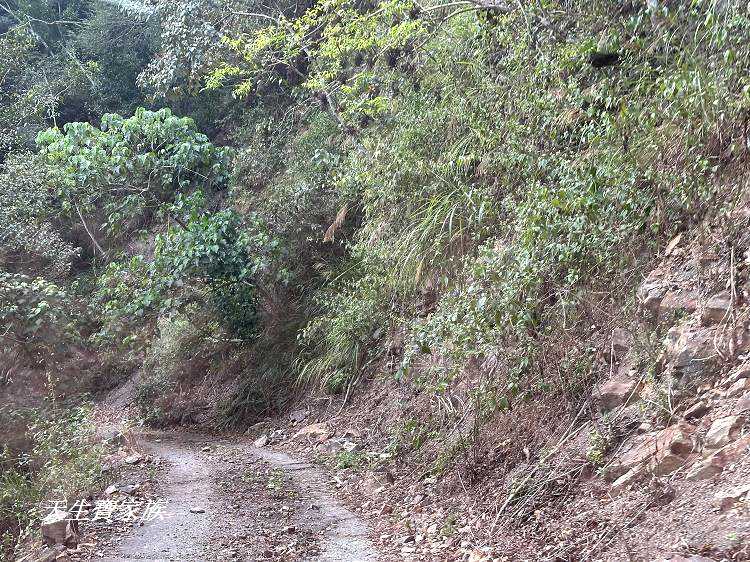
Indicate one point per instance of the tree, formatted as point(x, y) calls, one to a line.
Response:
point(118, 177)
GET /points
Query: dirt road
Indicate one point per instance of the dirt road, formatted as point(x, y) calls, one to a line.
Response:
point(225, 500)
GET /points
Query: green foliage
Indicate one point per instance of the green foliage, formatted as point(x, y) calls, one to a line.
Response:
point(115, 45)
point(318, 60)
point(130, 167)
point(35, 315)
point(355, 460)
point(17, 107)
point(32, 243)
point(508, 193)
point(62, 464)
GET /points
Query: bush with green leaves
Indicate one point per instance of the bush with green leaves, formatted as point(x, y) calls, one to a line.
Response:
point(122, 174)
point(212, 259)
point(63, 464)
point(36, 316)
point(32, 242)
point(115, 44)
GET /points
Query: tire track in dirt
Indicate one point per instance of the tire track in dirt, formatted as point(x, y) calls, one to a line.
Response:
point(348, 538)
point(238, 517)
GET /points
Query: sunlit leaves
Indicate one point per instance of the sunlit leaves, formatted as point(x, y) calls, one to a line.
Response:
point(131, 166)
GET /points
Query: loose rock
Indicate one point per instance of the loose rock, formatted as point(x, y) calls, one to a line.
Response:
point(723, 431)
point(616, 393)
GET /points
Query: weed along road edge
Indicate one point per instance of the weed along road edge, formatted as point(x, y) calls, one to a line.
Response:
point(228, 500)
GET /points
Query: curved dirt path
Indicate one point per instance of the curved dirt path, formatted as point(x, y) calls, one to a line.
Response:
point(226, 500)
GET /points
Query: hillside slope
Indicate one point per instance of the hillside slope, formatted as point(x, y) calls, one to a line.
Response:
point(488, 261)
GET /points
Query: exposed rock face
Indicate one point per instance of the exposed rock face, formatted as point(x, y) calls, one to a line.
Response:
point(697, 410)
point(738, 388)
point(714, 465)
point(660, 453)
point(727, 500)
point(743, 404)
point(691, 350)
point(667, 294)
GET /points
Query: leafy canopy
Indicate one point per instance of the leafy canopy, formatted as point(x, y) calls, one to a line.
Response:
point(130, 167)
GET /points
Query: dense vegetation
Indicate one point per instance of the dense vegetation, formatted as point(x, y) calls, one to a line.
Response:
point(432, 192)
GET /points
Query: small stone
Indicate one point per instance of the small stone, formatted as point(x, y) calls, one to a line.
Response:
point(738, 388)
point(645, 427)
point(133, 459)
point(351, 446)
point(111, 490)
point(48, 555)
point(407, 539)
point(717, 308)
point(206, 449)
point(197, 510)
point(625, 481)
point(330, 447)
point(727, 500)
point(743, 404)
point(742, 372)
point(620, 343)
point(298, 416)
point(113, 437)
point(261, 441)
point(319, 431)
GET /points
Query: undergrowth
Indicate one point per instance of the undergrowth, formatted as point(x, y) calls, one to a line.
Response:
point(62, 464)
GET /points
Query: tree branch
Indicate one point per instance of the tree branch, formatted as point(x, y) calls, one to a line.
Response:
point(85, 226)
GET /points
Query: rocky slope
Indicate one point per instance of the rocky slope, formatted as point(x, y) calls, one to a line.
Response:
point(655, 466)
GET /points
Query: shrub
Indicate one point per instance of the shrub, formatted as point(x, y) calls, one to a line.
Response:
point(62, 464)
point(37, 315)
